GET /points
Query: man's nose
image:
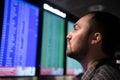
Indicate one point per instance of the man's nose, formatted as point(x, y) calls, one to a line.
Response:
point(69, 36)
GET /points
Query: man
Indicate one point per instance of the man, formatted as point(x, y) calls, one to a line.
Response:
point(93, 43)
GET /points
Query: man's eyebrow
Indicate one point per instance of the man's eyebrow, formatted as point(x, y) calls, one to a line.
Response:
point(75, 25)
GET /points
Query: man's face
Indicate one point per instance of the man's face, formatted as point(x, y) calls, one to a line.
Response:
point(79, 39)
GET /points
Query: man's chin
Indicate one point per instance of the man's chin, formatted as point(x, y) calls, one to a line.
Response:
point(70, 54)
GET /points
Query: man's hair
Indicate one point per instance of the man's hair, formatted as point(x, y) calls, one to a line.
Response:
point(108, 25)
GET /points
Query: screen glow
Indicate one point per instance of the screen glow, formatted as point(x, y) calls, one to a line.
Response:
point(53, 10)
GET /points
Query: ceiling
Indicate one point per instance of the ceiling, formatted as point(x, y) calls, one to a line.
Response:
point(79, 7)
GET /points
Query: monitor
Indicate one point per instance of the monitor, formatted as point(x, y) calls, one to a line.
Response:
point(52, 47)
point(18, 46)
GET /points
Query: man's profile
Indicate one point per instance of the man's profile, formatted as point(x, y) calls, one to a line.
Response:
point(93, 43)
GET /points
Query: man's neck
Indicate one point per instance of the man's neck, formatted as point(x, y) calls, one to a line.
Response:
point(89, 60)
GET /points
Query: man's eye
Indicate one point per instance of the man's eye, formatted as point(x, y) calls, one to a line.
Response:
point(76, 27)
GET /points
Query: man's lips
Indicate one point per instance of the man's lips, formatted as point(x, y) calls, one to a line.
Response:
point(69, 45)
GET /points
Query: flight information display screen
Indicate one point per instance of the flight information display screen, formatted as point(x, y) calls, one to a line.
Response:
point(52, 51)
point(18, 46)
point(73, 66)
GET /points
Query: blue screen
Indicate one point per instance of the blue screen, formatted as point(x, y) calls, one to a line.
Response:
point(19, 39)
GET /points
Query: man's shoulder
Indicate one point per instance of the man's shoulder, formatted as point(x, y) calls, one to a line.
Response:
point(108, 68)
point(107, 72)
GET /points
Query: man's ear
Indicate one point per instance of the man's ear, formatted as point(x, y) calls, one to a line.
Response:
point(96, 38)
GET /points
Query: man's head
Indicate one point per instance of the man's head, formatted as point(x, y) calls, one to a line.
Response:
point(98, 29)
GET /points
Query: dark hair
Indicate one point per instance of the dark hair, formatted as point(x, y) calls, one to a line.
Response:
point(108, 25)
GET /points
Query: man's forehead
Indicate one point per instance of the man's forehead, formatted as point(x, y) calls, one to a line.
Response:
point(85, 18)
